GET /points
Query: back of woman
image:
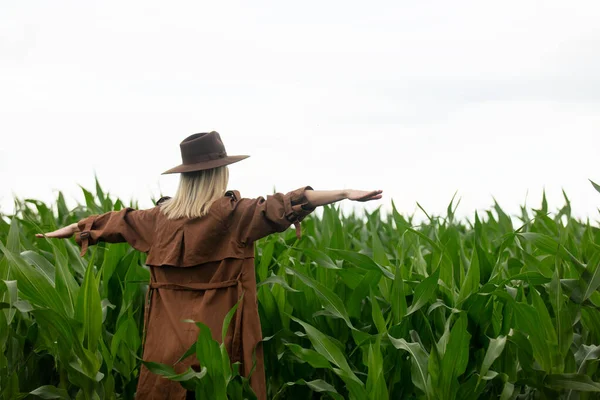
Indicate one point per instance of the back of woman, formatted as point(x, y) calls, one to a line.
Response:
point(200, 247)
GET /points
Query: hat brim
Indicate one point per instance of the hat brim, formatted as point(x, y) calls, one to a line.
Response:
point(220, 162)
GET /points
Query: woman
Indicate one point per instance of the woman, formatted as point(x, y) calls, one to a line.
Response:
point(201, 258)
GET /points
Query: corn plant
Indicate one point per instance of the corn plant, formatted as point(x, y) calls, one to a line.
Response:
point(368, 306)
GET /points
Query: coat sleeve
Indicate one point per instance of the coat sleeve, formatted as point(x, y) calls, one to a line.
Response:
point(135, 227)
point(256, 218)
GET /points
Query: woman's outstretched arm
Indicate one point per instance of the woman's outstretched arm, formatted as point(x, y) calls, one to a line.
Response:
point(135, 227)
point(260, 217)
point(62, 233)
point(321, 197)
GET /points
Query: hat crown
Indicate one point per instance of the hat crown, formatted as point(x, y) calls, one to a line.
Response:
point(201, 147)
point(202, 151)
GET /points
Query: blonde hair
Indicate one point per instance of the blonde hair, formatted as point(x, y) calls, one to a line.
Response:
point(196, 193)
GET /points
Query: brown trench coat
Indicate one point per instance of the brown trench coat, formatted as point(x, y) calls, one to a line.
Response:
point(199, 269)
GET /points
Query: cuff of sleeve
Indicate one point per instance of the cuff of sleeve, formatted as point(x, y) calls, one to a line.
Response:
point(296, 205)
point(83, 237)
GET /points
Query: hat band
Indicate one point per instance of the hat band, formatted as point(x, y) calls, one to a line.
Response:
point(198, 158)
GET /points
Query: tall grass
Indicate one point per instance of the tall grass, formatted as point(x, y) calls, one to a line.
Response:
point(363, 307)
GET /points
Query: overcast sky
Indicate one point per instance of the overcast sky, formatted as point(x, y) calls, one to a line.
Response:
point(420, 99)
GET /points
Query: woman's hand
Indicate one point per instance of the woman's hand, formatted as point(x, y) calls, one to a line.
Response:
point(62, 233)
point(321, 197)
point(361, 195)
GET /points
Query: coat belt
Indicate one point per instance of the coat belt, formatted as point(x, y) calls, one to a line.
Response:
point(193, 286)
point(237, 337)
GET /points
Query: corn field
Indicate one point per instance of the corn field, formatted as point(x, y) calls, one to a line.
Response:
point(366, 306)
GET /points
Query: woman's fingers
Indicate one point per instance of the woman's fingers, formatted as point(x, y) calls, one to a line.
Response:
point(375, 194)
point(369, 198)
point(376, 197)
point(360, 195)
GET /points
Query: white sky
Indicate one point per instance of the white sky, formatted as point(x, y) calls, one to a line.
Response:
point(420, 99)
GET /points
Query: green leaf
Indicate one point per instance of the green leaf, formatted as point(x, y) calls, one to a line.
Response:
point(424, 292)
point(358, 295)
point(331, 301)
point(207, 350)
point(494, 351)
point(88, 367)
point(279, 280)
point(65, 283)
point(325, 346)
point(455, 358)
point(229, 317)
point(265, 260)
point(398, 300)
point(111, 262)
point(543, 317)
point(44, 265)
point(355, 386)
point(320, 258)
point(12, 241)
point(88, 311)
point(471, 389)
point(11, 291)
point(33, 285)
point(270, 309)
point(525, 351)
point(419, 361)
point(379, 255)
point(376, 383)
point(317, 385)
point(550, 246)
point(188, 375)
point(595, 185)
point(159, 368)
point(99, 192)
point(315, 359)
point(471, 283)
point(209, 354)
point(320, 386)
point(562, 320)
point(590, 318)
point(61, 206)
point(528, 321)
point(50, 392)
point(377, 315)
point(577, 382)
point(584, 354)
point(191, 350)
point(121, 336)
point(507, 391)
point(362, 261)
point(169, 373)
point(590, 279)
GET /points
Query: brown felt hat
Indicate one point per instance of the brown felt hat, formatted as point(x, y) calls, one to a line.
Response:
point(202, 151)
